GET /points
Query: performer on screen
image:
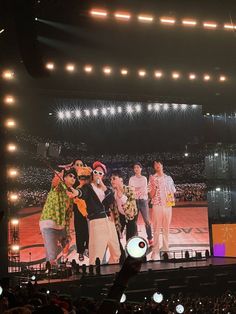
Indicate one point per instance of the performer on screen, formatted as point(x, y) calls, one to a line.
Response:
point(56, 215)
point(80, 220)
point(125, 209)
point(161, 190)
point(140, 185)
point(102, 232)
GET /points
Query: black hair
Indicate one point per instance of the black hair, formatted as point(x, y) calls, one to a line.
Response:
point(117, 173)
point(74, 161)
point(157, 160)
point(138, 164)
point(72, 171)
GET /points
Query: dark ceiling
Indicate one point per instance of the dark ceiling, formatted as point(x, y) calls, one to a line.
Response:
point(66, 33)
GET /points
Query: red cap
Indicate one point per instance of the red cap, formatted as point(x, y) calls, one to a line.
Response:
point(99, 164)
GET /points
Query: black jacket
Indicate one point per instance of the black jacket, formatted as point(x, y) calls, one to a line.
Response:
point(95, 208)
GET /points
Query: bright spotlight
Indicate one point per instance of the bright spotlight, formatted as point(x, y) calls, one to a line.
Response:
point(192, 76)
point(229, 26)
point(167, 21)
point(15, 248)
point(175, 75)
point(189, 22)
point(95, 112)
point(216, 154)
point(2, 30)
point(122, 16)
point(12, 173)
point(50, 66)
point(210, 25)
point(77, 113)
point(124, 71)
point(179, 309)
point(157, 107)
point(138, 108)
point(142, 73)
point(87, 112)
point(33, 278)
point(123, 298)
point(68, 114)
point(98, 13)
point(60, 115)
point(149, 107)
point(107, 70)
point(145, 18)
point(218, 189)
point(8, 75)
point(185, 154)
point(15, 222)
point(129, 109)
point(119, 109)
point(70, 67)
point(1, 290)
point(158, 74)
point(157, 297)
point(112, 111)
point(104, 111)
point(194, 106)
point(88, 68)
point(175, 106)
point(183, 106)
point(166, 107)
point(206, 77)
point(9, 99)
point(10, 123)
point(222, 78)
point(11, 147)
point(48, 291)
point(13, 197)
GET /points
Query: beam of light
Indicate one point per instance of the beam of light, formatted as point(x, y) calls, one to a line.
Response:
point(9, 99)
point(166, 107)
point(229, 26)
point(145, 18)
point(149, 107)
point(157, 107)
point(61, 115)
point(138, 108)
point(183, 106)
point(112, 111)
point(158, 74)
point(124, 71)
point(98, 13)
point(167, 21)
point(222, 78)
point(129, 109)
point(12, 173)
point(95, 111)
point(104, 111)
point(10, 123)
point(206, 77)
point(192, 76)
point(11, 147)
point(78, 113)
point(68, 114)
point(107, 70)
point(142, 73)
point(175, 75)
point(70, 67)
point(189, 22)
point(119, 109)
point(50, 66)
point(87, 112)
point(175, 106)
point(122, 16)
point(8, 75)
point(88, 68)
point(210, 25)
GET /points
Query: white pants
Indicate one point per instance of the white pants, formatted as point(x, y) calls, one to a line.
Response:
point(102, 234)
point(161, 218)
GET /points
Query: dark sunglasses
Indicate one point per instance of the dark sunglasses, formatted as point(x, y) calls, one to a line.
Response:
point(98, 172)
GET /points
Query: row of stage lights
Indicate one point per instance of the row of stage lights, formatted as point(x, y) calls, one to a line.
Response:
point(12, 172)
point(164, 20)
point(142, 73)
point(112, 111)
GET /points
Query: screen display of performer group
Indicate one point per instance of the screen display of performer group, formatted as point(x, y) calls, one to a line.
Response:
point(94, 173)
point(223, 236)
